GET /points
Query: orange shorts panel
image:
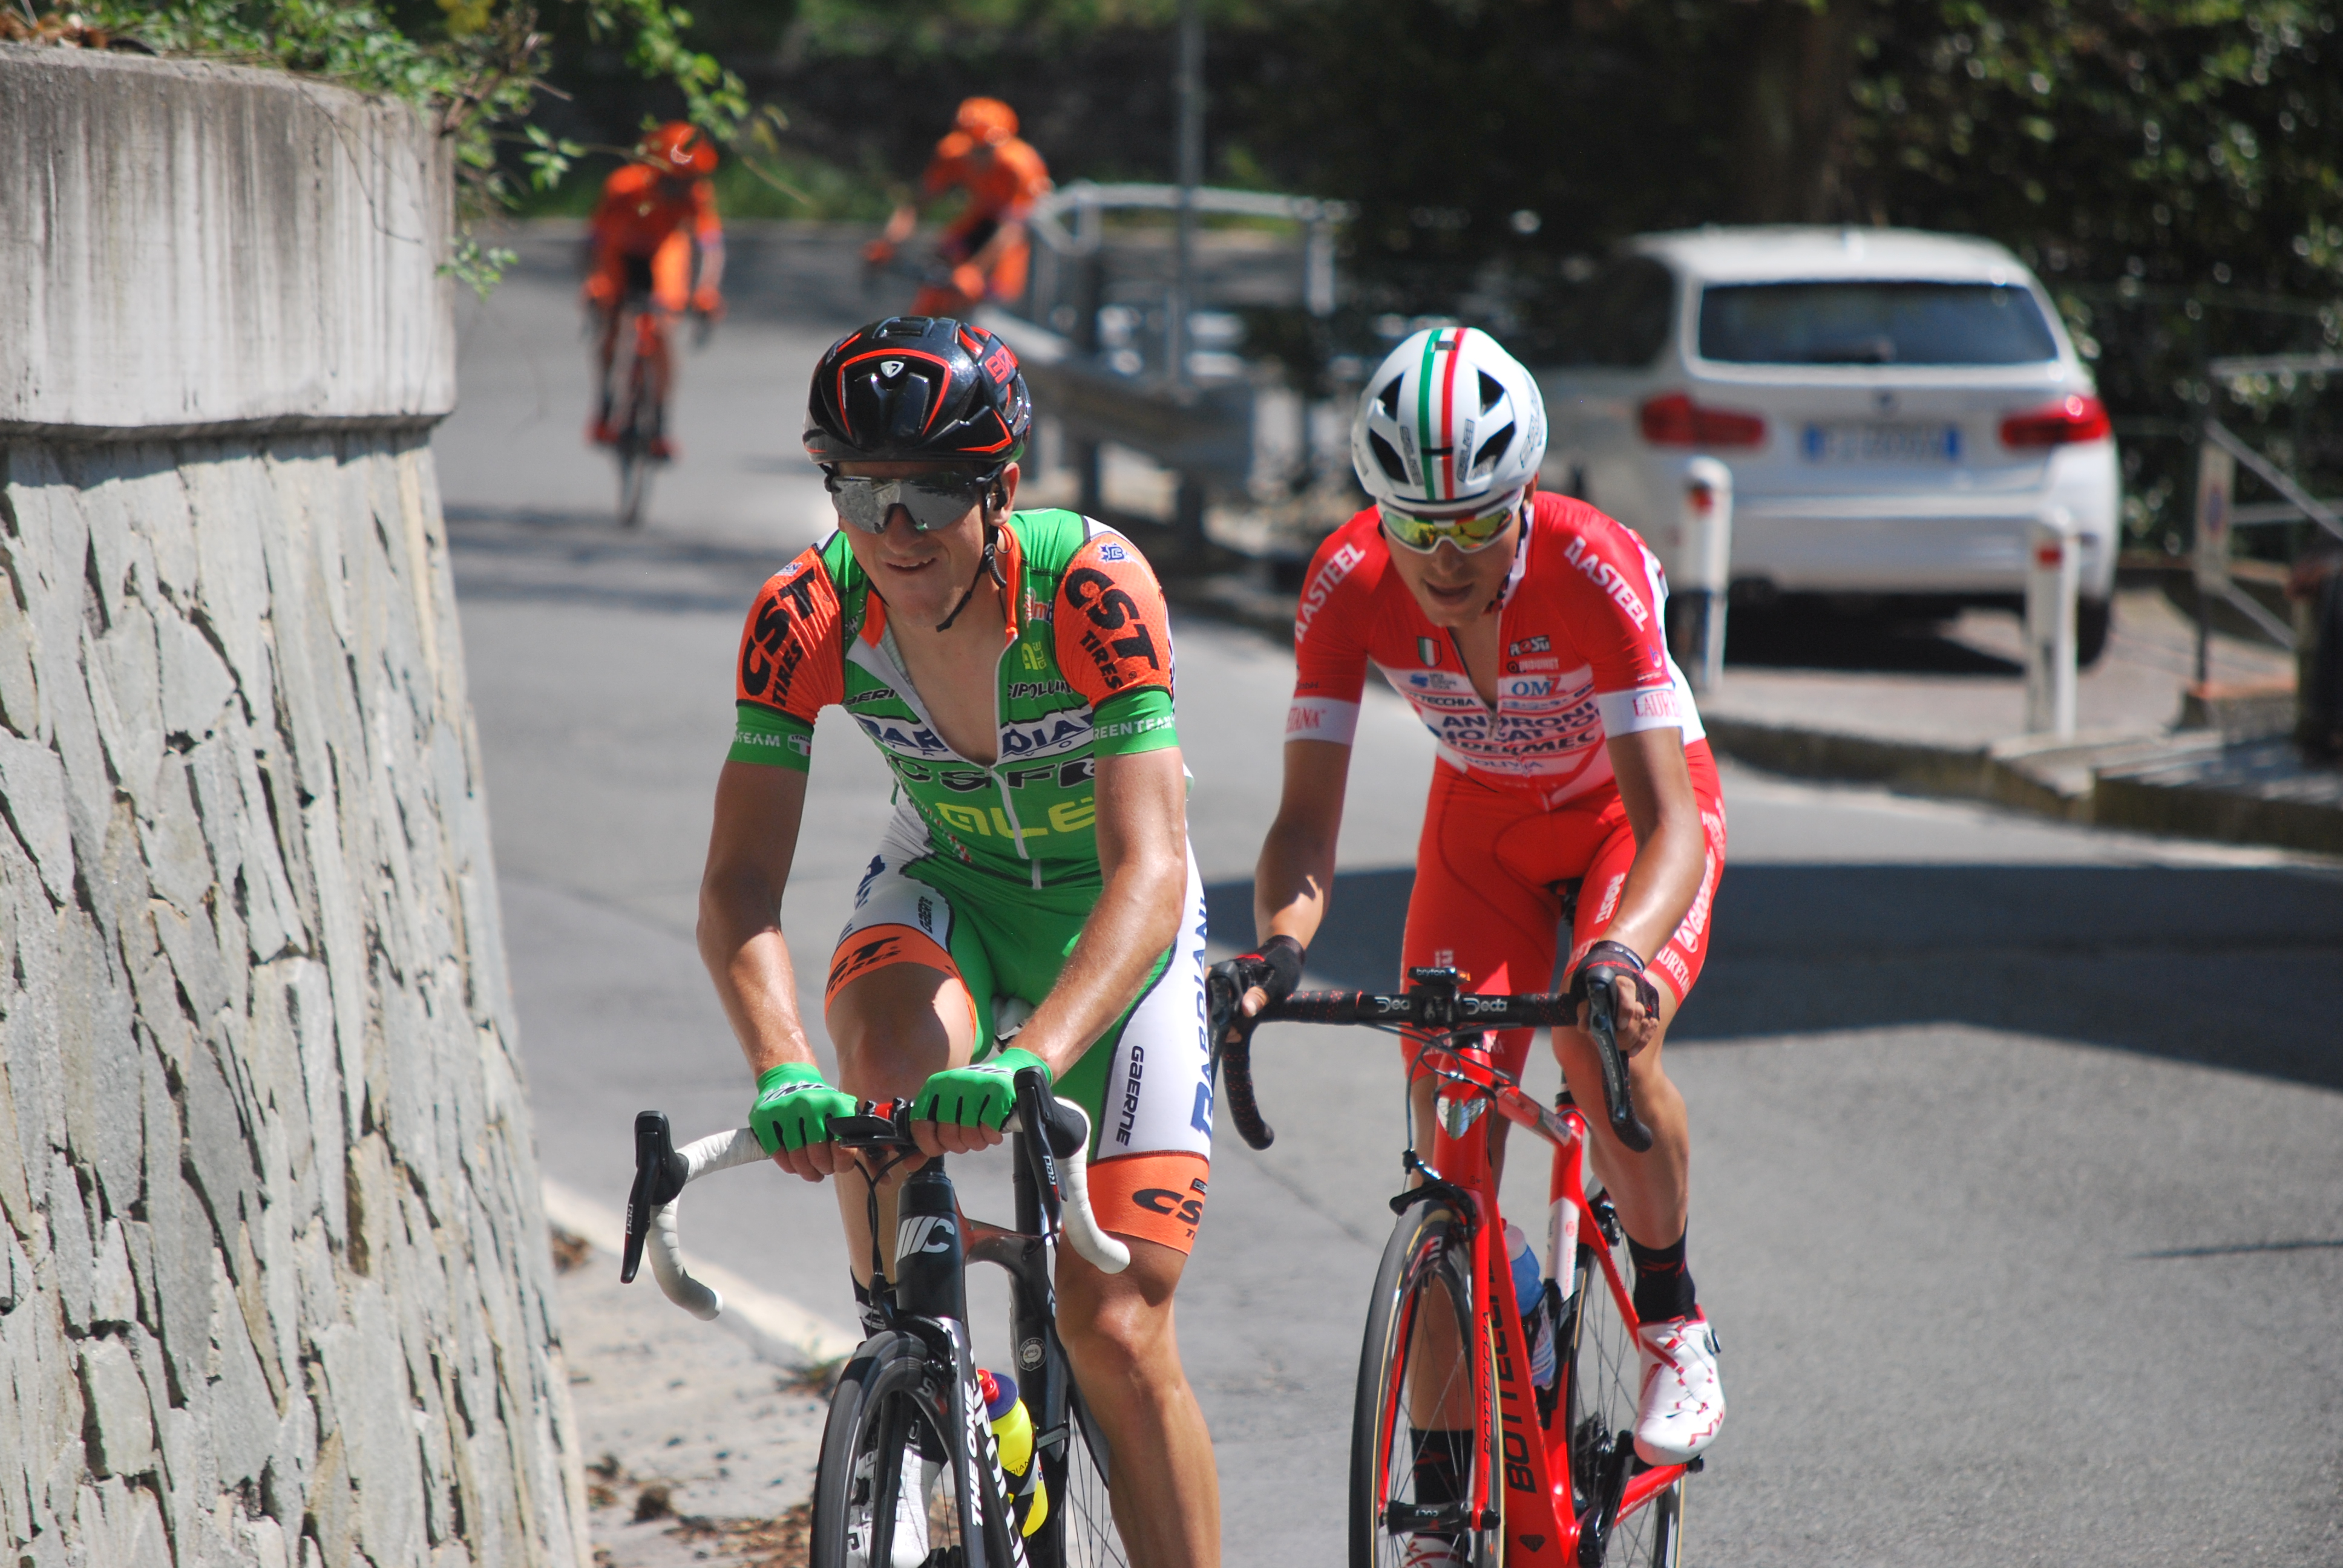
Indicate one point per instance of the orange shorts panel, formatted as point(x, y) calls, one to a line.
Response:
point(875, 947)
point(1490, 870)
point(1157, 1197)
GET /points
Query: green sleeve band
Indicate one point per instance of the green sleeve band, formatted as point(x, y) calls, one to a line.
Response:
point(775, 739)
point(1134, 721)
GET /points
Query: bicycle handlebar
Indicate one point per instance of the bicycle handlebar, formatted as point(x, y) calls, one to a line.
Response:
point(1435, 1005)
point(662, 1171)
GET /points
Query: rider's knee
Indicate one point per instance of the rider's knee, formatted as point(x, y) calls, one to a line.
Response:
point(1121, 1341)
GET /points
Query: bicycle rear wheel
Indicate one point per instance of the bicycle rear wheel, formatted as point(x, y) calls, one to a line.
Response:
point(1602, 1375)
point(883, 1497)
point(1415, 1373)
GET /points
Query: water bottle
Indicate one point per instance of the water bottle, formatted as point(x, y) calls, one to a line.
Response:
point(1012, 1431)
point(1529, 1298)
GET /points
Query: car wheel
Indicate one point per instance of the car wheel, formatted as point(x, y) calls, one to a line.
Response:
point(2093, 618)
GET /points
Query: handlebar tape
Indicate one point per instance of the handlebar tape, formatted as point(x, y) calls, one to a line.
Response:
point(1236, 1056)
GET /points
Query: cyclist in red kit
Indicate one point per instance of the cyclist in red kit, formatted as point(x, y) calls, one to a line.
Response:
point(1572, 783)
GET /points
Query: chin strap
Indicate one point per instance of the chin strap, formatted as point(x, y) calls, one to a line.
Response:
point(990, 562)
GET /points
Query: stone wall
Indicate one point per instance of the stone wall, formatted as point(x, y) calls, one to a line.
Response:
point(274, 1282)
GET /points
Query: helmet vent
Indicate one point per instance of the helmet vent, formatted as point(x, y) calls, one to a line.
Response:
point(1492, 394)
point(1387, 457)
point(1492, 449)
point(1389, 398)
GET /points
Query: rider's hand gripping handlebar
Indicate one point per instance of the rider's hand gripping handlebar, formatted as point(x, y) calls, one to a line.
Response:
point(1232, 1058)
point(662, 1171)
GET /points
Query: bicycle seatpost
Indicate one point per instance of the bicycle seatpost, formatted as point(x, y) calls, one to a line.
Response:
point(930, 1280)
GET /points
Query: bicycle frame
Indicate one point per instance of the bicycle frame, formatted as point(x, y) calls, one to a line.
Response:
point(1543, 1521)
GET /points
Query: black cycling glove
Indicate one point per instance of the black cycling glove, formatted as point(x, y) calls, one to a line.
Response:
point(1276, 968)
point(1604, 962)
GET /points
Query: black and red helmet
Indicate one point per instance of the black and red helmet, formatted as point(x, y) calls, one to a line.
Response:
point(917, 388)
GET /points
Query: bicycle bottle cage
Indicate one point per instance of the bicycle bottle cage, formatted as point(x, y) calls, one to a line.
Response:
point(659, 1175)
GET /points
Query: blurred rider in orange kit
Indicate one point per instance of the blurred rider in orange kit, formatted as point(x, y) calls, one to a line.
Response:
point(653, 213)
point(987, 246)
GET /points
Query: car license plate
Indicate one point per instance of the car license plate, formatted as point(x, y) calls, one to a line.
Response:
point(1874, 443)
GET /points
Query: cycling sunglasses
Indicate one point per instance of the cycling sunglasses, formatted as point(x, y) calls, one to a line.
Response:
point(1472, 532)
point(936, 500)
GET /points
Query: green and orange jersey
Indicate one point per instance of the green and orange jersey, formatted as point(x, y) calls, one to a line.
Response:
point(1084, 672)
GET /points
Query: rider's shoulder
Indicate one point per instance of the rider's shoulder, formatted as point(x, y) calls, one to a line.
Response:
point(1581, 527)
point(629, 180)
point(1053, 538)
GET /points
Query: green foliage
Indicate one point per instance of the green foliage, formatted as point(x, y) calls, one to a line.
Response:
point(478, 66)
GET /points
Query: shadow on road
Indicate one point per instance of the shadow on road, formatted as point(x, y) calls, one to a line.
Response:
point(2238, 969)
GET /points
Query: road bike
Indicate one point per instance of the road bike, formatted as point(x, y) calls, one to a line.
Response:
point(911, 1474)
point(1554, 1478)
point(637, 405)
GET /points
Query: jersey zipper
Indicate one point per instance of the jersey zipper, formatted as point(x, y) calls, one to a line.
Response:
point(1000, 779)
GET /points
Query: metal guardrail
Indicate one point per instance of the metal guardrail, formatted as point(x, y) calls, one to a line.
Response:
point(1087, 200)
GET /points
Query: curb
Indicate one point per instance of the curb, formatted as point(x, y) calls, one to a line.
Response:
point(776, 1327)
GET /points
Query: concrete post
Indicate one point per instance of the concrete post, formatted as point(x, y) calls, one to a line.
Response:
point(2053, 575)
point(2217, 481)
point(1703, 572)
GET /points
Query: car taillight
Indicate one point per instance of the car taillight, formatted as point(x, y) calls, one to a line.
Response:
point(1673, 419)
point(2073, 418)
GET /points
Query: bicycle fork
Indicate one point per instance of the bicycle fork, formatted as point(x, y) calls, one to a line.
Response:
point(931, 1296)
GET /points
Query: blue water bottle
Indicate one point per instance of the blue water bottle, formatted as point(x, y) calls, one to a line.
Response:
point(1529, 1300)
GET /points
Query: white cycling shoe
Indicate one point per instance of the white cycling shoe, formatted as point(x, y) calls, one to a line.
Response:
point(1682, 1401)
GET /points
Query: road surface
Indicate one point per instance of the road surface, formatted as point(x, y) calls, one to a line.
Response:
point(2018, 1180)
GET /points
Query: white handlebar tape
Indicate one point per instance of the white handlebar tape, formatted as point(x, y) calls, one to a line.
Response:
point(722, 1150)
point(1109, 1255)
point(718, 1151)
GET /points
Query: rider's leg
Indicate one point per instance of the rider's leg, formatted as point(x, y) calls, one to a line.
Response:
point(893, 1027)
point(1649, 1190)
point(1119, 1335)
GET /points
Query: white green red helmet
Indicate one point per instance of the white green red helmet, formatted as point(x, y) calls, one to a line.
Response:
point(1447, 420)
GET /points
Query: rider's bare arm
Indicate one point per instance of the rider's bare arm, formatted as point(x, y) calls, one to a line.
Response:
point(1294, 880)
point(1655, 787)
point(1142, 846)
point(749, 851)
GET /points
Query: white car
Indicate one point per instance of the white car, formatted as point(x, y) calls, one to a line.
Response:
point(1896, 407)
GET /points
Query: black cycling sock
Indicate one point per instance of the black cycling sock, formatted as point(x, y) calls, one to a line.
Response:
point(1443, 1466)
point(1662, 1285)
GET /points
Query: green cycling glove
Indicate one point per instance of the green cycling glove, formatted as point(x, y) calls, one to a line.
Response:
point(982, 1094)
point(794, 1106)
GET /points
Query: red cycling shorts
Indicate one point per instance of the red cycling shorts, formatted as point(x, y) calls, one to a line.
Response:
point(1495, 865)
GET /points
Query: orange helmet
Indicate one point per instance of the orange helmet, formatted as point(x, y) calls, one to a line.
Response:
point(679, 149)
point(989, 120)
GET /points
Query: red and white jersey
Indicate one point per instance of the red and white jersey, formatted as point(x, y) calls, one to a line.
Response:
point(1581, 638)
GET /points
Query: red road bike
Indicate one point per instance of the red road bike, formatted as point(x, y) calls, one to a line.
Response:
point(1554, 1475)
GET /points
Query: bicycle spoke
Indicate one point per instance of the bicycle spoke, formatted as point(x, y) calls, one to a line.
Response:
point(1604, 1381)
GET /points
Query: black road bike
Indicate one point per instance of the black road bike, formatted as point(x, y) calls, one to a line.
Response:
point(910, 1474)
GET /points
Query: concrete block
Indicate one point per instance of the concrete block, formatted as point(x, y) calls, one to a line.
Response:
point(121, 1422)
point(33, 793)
point(309, 224)
point(193, 948)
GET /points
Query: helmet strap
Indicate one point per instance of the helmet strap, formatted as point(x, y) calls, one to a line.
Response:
point(990, 562)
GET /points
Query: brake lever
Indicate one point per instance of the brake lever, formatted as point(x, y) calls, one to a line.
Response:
point(660, 1172)
point(1624, 1123)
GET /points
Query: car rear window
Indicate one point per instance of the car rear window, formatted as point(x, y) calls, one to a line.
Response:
point(1866, 323)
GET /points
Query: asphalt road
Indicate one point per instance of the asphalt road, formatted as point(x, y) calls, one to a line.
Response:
point(2018, 1187)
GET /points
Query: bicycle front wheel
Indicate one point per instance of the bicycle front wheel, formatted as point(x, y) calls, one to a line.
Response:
point(1601, 1388)
point(1419, 1455)
point(883, 1497)
point(1080, 1531)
